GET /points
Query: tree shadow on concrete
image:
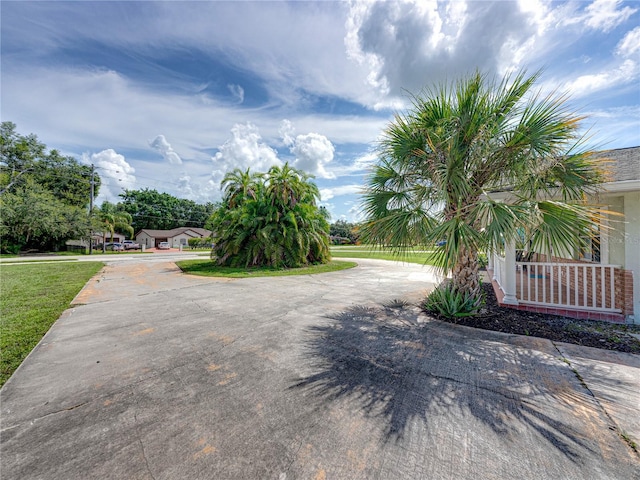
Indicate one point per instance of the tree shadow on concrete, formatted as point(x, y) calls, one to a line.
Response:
point(400, 370)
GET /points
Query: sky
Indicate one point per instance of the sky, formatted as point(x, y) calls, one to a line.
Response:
point(172, 95)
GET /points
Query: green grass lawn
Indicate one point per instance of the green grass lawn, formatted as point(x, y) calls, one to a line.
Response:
point(208, 269)
point(60, 256)
point(419, 256)
point(32, 297)
point(11, 261)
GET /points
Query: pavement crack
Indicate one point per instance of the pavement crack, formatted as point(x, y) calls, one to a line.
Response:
point(614, 425)
point(56, 412)
point(508, 394)
point(67, 409)
point(303, 439)
point(139, 437)
point(73, 407)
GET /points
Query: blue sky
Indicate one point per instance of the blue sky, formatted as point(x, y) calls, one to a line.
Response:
point(172, 95)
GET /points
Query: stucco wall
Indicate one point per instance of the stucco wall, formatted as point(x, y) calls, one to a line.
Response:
point(144, 239)
point(614, 244)
point(632, 245)
point(175, 241)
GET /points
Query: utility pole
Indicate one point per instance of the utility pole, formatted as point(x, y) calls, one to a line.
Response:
point(91, 211)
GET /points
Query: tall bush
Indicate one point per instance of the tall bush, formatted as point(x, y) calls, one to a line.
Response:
point(269, 219)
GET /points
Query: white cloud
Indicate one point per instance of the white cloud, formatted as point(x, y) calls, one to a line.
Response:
point(115, 173)
point(604, 14)
point(161, 145)
point(237, 92)
point(286, 131)
point(339, 128)
point(630, 44)
point(543, 16)
point(184, 186)
point(407, 45)
point(625, 73)
point(199, 188)
point(313, 152)
point(329, 193)
point(86, 108)
point(355, 214)
point(617, 126)
point(360, 165)
point(245, 149)
point(295, 47)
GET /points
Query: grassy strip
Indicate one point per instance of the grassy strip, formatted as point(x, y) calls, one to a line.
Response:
point(207, 269)
point(115, 252)
point(420, 257)
point(11, 261)
point(374, 248)
point(60, 256)
point(32, 297)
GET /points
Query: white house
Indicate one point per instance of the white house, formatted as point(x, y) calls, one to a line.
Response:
point(176, 237)
point(602, 283)
point(97, 238)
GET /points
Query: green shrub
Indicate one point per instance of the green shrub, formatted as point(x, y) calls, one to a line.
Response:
point(483, 262)
point(269, 220)
point(339, 240)
point(195, 243)
point(8, 247)
point(449, 303)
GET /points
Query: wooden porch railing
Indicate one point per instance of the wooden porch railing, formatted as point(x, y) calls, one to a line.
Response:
point(579, 286)
point(567, 285)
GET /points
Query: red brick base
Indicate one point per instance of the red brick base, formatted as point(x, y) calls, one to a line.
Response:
point(564, 312)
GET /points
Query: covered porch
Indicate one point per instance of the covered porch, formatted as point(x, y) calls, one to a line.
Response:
point(570, 288)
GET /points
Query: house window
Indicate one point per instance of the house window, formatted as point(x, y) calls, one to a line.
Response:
point(595, 249)
point(591, 249)
point(183, 241)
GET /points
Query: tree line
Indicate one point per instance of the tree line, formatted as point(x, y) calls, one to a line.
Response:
point(44, 196)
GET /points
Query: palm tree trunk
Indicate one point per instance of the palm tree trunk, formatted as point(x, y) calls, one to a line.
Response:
point(466, 273)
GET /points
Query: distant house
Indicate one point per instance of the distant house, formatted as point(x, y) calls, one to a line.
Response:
point(601, 282)
point(97, 238)
point(176, 237)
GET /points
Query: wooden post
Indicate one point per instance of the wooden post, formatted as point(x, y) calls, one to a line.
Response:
point(509, 280)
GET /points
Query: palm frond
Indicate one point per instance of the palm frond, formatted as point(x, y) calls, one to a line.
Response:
point(460, 140)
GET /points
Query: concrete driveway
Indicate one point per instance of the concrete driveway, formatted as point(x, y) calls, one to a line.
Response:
point(158, 375)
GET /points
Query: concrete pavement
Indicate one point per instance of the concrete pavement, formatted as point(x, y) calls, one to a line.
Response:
point(155, 374)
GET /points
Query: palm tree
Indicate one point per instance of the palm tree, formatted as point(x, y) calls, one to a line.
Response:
point(440, 164)
point(270, 220)
point(110, 219)
point(287, 186)
point(239, 185)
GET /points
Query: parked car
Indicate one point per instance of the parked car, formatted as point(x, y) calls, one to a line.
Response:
point(115, 246)
point(130, 245)
point(164, 246)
